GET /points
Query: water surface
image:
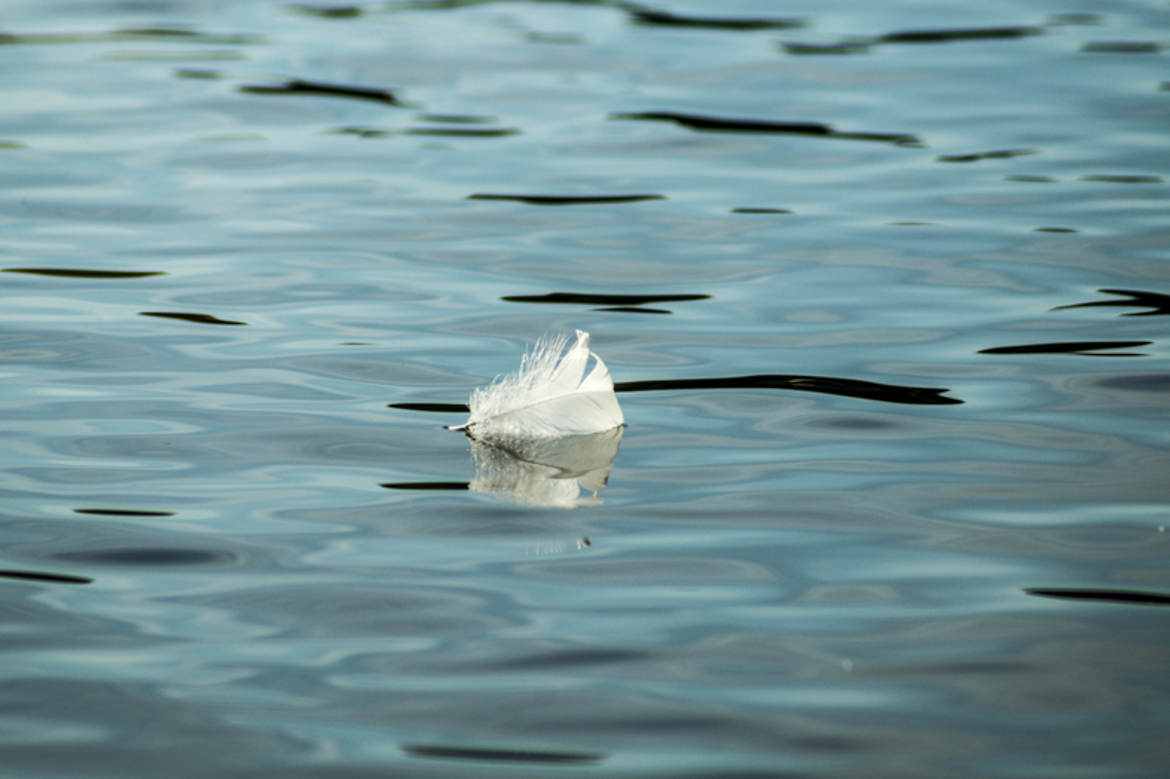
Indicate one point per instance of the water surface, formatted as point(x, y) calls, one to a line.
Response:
point(883, 290)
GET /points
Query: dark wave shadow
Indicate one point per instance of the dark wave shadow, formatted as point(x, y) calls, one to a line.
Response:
point(827, 385)
point(441, 408)
point(706, 123)
point(760, 210)
point(79, 273)
point(949, 35)
point(1088, 348)
point(635, 310)
point(132, 34)
point(43, 576)
point(546, 472)
point(1137, 597)
point(820, 49)
point(1158, 303)
point(327, 11)
point(602, 300)
point(463, 132)
point(201, 74)
point(997, 154)
point(1123, 47)
point(565, 200)
point(495, 755)
point(448, 5)
point(124, 513)
point(1124, 179)
point(1074, 18)
point(854, 388)
point(202, 319)
point(361, 132)
point(653, 16)
point(456, 486)
point(443, 132)
point(319, 89)
point(150, 556)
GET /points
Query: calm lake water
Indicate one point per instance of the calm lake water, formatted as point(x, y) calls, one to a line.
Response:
point(884, 288)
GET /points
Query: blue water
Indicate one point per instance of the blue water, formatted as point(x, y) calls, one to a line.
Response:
point(251, 274)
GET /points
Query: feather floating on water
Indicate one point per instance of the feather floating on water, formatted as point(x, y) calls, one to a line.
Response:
point(551, 395)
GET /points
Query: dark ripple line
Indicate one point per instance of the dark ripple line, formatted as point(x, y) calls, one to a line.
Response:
point(635, 310)
point(707, 123)
point(149, 556)
point(653, 16)
point(854, 388)
point(319, 88)
point(328, 11)
point(1139, 597)
point(441, 408)
point(463, 132)
point(1123, 47)
point(1065, 347)
point(1124, 179)
point(1158, 303)
point(844, 47)
point(998, 154)
point(948, 35)
point(496, 755)
point(131, 33)
point(565, 200)
point(760, 210)
point(124, 513)
point(203, 319)
point(602, 300)
point(426, 485)
point(81, 273)
point(43, 576)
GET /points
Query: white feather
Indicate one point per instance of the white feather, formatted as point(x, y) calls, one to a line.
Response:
point(551, 395)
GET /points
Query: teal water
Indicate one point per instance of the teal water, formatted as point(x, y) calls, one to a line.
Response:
point(257, 254)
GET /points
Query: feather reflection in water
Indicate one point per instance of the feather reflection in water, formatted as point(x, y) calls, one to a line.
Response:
point(548, 472)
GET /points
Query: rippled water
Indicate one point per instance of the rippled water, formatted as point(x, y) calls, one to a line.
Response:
point(883, 287)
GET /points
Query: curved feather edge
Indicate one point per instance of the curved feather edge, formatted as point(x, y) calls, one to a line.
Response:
point(554, 393)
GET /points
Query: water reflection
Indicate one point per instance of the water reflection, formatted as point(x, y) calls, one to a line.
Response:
point(565, 200)
point(594, 299)
point(496, 755)
point(633, 304)
point(546, 472)
point(320, 89)
point(653, 16)
point(959, 34)
point(536, 472)
point(178, 34)
point(83, 273)
point(996, 154)
point(124, 512)
point(1138, 597)
point(1094, 348)
point(854, 388)
point(1158, 304)
point(722, 124)
point(45, 576)
point(203, 319)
